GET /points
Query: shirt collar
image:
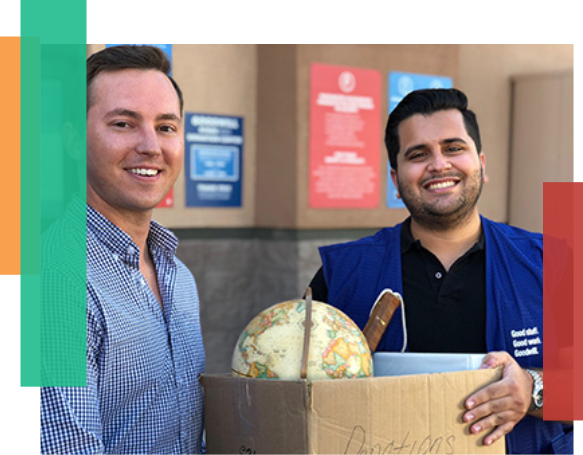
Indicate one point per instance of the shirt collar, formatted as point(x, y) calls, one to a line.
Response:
point(407, 240)
point(121, 244)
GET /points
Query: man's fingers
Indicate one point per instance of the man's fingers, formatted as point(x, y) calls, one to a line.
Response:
point(494, 359)
point(493, 420)
point(497, 407)
point(494, 391)
point(498, 433)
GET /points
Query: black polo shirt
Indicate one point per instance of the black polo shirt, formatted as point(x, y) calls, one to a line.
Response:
point(445, 311)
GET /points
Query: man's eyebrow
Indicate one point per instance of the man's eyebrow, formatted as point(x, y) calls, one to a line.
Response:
point(452, 140)
point(168, 116)
point(135, 115)
point(123, 113)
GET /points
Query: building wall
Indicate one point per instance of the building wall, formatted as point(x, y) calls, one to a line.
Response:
point(485, 75)
point(246, 259)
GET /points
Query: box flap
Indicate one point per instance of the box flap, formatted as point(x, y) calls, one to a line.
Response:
point(255, 415)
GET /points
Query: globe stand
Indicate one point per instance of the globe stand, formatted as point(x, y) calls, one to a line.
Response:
point(307, 333)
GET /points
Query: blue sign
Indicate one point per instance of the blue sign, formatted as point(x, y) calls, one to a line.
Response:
point(400, 85)
point(167, 48)
point(213, 160)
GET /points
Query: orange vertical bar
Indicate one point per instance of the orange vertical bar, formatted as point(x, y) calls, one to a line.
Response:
point(10, 137)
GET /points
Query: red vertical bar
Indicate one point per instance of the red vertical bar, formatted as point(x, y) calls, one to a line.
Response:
point(577, 298)
point(562, 221)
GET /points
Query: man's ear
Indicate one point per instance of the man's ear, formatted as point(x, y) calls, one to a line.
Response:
point(483, 160)
point(394, 178)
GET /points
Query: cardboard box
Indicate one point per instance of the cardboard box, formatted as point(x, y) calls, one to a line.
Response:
point(381, 415)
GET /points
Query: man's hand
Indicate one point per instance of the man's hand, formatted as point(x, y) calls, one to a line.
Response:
point(500, 405)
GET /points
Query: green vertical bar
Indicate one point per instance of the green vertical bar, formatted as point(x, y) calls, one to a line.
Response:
point(30, 155)
point(63, 213)
point(55, 21)
point(53, 294)
point(9, 355)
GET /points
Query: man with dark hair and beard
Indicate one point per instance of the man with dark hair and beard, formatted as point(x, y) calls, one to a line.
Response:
point(468, 284)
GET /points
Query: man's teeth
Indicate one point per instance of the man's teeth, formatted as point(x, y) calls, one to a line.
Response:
point(150, 172)
point(438, 186)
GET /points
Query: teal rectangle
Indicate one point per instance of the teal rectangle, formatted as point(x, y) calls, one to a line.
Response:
point(63, 214)
point(55, 21)
point(29, 156)
point(60, 21)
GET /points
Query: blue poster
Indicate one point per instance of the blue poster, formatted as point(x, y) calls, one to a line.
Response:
point(167, 48)
point(400, 84)
point(213, 154)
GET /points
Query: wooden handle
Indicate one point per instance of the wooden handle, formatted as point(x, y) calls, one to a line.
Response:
point(380, 317)
point(307, 333)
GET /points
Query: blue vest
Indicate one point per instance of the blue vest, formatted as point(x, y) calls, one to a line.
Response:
point(356, 273)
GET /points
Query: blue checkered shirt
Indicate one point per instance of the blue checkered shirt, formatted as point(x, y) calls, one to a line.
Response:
point(143, 364)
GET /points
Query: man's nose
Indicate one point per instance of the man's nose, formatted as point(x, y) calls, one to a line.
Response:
point(149, 142)
point(438, 163)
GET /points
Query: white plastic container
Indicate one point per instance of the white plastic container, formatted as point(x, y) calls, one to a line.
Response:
point(408, 363)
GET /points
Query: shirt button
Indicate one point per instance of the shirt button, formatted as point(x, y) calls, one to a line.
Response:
point(438, 275)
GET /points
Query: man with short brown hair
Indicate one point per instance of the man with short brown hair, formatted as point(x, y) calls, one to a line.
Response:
point(144, 345)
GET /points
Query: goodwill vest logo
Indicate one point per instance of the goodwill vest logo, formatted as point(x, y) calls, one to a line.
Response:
point(525, 342)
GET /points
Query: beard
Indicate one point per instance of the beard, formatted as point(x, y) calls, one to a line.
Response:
point(441, 215)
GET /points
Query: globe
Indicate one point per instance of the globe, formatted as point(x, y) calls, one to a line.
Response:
point(271, 345)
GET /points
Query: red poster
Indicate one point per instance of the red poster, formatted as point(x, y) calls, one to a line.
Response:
point(168, 200)
point(345, 137)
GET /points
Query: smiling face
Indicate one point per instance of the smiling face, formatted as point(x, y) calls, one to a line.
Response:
point(134, 141)
point(439, 172)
